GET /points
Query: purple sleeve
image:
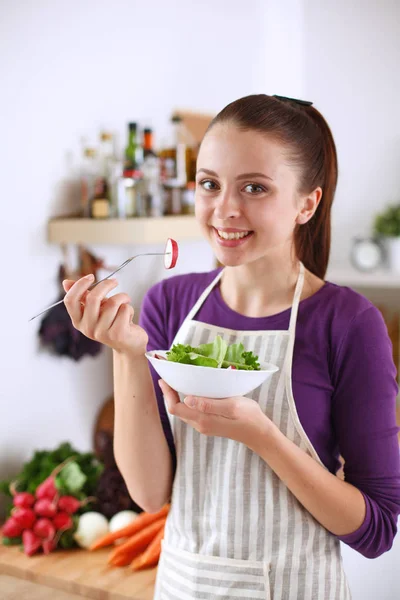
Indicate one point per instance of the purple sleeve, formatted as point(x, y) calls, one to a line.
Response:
point(364, 419)
point(153, 319)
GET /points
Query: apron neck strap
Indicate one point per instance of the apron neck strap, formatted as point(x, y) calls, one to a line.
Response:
point(296, 299)
point(295, 305)
point(195, 309)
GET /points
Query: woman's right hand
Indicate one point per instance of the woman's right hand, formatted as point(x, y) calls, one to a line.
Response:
point(106, 320)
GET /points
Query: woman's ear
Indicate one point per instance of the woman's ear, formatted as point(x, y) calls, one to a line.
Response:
point(309, 206)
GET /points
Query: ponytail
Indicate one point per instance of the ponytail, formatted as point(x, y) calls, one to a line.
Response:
point(313, 239)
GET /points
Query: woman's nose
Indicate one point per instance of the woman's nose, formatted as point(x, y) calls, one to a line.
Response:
point(227, 206)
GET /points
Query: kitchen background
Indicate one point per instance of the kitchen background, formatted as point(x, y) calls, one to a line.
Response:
point(69, 70)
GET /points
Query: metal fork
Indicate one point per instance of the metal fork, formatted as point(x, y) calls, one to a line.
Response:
point(108, 277)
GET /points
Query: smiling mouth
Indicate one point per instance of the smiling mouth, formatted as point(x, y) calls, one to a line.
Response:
point(224, 235)
point(232, 239)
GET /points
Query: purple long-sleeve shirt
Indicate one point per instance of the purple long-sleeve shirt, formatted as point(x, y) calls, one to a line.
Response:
point(344, 385)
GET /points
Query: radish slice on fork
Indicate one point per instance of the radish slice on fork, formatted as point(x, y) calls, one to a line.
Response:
point(171, 254)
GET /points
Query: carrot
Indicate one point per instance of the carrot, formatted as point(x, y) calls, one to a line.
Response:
point(126, 552)
point(151, 556)
point(139, 523)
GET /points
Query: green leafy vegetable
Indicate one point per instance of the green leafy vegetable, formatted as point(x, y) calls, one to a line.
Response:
point(216, 354)
point(71, 479)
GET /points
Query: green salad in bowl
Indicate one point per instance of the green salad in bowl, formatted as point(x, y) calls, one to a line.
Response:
point(214, 370)
point(217, 355)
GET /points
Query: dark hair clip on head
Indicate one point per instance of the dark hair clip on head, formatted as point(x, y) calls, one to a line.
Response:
point(285, 99)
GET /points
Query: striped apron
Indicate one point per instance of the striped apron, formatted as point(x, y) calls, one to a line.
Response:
point(234, 529)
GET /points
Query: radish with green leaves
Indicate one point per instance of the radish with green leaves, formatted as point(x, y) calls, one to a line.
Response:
point(48, 488)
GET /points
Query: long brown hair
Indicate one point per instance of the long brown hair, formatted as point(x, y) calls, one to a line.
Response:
point(311, 148)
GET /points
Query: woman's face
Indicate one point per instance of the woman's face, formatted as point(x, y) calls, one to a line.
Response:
point(245, 186)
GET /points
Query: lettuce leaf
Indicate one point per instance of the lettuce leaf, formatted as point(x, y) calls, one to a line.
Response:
point(216, 354)
point(237, 356)
point(216, 350)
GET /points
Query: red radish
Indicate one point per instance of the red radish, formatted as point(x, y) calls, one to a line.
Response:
point(11, 528)
point(48, 546)
point(159, 357)
point(44, 528)
point(63, 521)
point(170, 254)
point(70, 504)
point(21, 499)
point(48, 489)
point(31, 542)
point(232, 367)
point(25, 517)
point(45, 508)
point(24, 500)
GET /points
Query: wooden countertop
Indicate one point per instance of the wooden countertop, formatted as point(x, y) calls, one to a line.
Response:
point(13, 588)
point(78, 573)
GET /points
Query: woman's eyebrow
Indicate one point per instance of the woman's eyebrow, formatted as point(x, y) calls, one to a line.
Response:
point(242, 176)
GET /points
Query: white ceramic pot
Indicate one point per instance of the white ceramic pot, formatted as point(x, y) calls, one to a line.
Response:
point(392, 245)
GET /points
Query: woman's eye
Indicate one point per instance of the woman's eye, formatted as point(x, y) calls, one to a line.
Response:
point(208, 185)
point(253, 188)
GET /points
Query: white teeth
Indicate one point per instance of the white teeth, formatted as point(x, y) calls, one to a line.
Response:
point(232, 236)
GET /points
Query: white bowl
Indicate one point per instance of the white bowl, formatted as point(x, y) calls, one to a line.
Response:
point(193, 380)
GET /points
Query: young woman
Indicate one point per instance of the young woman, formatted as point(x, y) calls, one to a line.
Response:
point(257, 510)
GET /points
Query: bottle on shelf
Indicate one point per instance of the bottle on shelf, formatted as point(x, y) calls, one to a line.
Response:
point(106, 154)
point(152, 198)
point(148, 149)
point(100, 206)
point(109, 168)
point(131, 150)
point(88, 175)
point(176, 167)
point(134, 149)
point(176, 157)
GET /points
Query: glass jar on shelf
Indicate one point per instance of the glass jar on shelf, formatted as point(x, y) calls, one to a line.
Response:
point(129, 194)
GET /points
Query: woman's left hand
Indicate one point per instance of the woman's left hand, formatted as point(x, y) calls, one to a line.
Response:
point(238, 418)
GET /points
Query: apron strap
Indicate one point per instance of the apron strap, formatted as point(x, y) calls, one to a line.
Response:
point(296, 300)
point(203, 297)
point(198, 304)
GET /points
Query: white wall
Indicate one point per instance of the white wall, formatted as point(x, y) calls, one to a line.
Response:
point(352, 74)
point(67, 69)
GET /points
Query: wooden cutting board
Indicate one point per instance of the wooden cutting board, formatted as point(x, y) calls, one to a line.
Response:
point(79, 572)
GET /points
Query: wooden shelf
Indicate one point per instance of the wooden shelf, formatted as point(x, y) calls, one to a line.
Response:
point(72, 230)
